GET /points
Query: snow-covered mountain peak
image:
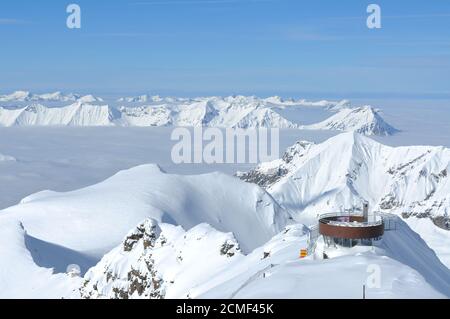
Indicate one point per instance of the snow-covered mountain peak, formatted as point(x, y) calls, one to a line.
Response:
point(18, 96)
point(365, 120)
point(245, 112)
point(89, 99)
point(141, 99)
point(25, 96)
point(348, 169)
point(130, 196)
point(160, 260)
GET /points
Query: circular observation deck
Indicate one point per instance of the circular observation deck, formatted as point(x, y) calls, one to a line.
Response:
point(351, 226)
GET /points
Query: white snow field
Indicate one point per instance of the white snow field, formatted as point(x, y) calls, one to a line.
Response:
point(25, 96)
point(349, 169)
point(160, 260)
point(189, 216)
point(226, 112)
point(136, 231)
point(94, 219)
point(20, 276)
point(163, 261)
point(364, 120)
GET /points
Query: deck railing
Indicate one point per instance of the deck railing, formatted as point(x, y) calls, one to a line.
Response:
point(374, 220)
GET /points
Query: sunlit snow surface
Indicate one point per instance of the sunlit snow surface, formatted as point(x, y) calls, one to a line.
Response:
point(53, 230)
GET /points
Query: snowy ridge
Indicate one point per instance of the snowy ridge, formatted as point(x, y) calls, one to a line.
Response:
point(129, 197)
point(231, 112)
point(183, 221)
point(83, 113)
point(273, 101)
point(25, 96)
point(141, 99)
point(364, 120)
point(163, 261)
point(77, 114)
point(228, 112)
point(158, 261)
point(21, 277)
point(348, 169)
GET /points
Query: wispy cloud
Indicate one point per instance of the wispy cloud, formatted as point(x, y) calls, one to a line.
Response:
point(386, 16)
point(132, 34)
point(418, 16)
point(195, 2)
point(8, 21)
point(312, 34)
point(124, 34)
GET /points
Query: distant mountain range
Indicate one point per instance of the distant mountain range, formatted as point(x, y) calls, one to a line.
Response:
point(25, 96)
point(224, 112)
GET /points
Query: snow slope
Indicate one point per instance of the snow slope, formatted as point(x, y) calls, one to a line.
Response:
point(365, 120)
point(95, 219)
point(409, 269)
point(77, 114)
point(237, 227)
point(229, 112)
point(239, 112)
point(82, 113)
point(348, 169)
point(25, 96)
point(20, 276)
point(163, 261)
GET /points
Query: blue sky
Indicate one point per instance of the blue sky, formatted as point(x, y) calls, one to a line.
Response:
point(196, 47)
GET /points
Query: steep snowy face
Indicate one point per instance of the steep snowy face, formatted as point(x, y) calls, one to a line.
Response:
point(230, 112)
point(196, 114)
point(212, 112)
point(77, 114)
point(267, 174)
point(20, 276)
point(145, 116)
point(364, 120)
point(348, 169)
point(265, 118)
point(164, 261)
point(161, 261)
point(94, 219)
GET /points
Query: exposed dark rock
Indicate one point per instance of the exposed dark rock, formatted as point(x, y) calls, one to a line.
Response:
point(263, 179)
point(228, 249)
point(442, 222)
